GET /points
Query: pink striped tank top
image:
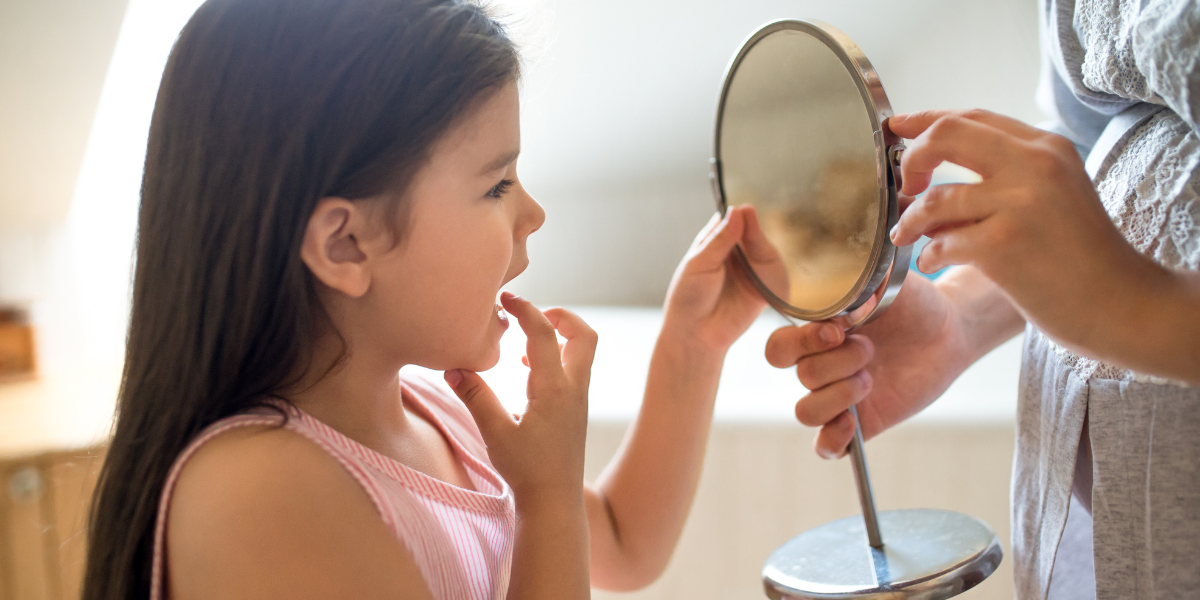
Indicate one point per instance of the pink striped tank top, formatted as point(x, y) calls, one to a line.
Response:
point(461, 540)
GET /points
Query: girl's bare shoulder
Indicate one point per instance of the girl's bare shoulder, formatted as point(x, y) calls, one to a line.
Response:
point(262, 512)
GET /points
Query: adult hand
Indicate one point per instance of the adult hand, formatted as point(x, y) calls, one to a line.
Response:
point(540, 454)
point(1034, 225)
point(711, 302)
point(898, 364)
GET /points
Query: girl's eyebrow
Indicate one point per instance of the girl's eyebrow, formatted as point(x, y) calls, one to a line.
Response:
point(501, 162)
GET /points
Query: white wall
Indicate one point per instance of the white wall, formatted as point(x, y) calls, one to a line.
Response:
point(53, 58)
point(619, 99)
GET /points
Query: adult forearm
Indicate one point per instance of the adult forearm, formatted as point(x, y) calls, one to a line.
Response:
point(1151, 326)
point(644, 495)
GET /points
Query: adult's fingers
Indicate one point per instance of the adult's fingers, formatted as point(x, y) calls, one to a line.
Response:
point(821, 406)
point(541, 344)
point(911, 125)
point(971, 144)
point(825, 368)
point(943, 206)
point(957, 246)
point(787, 345)
point(493, 420)
point(833, 439)
point(580, 349)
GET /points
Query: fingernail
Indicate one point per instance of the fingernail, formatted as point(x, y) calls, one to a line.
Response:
point(829, 333)
point(453, 377)
point(507, 296)
point(899, 117)
point(892, 233)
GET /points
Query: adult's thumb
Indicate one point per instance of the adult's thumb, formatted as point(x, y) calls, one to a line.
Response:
point(490, 416)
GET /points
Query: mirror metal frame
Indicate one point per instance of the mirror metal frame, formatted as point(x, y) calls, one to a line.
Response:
point(887, 268)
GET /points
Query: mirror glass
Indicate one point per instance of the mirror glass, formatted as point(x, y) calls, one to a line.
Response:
point(796, 141)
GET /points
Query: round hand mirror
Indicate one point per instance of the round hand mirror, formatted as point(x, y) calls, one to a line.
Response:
point(802, 136)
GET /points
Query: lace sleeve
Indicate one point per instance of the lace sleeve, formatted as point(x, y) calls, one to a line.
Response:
point(1166, 49)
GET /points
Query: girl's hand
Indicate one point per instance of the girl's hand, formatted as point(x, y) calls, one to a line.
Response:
point(1034, 225)
point(710, 300)
point(540, 453)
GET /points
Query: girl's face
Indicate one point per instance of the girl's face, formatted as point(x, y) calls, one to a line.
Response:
point(434, 295)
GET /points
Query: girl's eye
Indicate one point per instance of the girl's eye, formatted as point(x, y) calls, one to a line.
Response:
point(501, 188)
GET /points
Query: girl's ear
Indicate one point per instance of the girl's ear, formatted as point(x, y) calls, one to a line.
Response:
point(333, 248)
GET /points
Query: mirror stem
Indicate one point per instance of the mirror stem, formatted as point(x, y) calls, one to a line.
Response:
point(863, 481)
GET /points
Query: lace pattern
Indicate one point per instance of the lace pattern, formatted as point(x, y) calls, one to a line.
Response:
point(1144, 50)
point(1152, 193)
point(1105, 30)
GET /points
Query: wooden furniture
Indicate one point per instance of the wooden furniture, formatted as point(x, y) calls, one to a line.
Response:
point(42, 523)
point(16, 345)
point(51, 436)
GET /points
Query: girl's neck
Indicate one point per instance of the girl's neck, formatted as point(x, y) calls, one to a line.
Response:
point(358, 398)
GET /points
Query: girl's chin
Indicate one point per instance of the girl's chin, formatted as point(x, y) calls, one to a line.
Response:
point(484, 360)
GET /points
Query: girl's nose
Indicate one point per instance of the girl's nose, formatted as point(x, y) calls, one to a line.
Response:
point(535, 215)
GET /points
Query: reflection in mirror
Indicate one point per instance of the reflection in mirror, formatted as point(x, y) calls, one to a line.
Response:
point(796, 141)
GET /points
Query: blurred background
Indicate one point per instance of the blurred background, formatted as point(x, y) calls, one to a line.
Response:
point(618, 102)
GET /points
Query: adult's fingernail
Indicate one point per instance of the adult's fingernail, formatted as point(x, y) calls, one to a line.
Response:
point(865, 378)
point(829, 333)
point(892, 233)
point(453, 377)
point(899, 117)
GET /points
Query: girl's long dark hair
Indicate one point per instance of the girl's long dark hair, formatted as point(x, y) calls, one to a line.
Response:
point(265, 107)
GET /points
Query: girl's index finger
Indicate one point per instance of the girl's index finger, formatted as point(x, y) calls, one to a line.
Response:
point(541, 346)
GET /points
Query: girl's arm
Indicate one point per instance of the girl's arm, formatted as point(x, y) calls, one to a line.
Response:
point(637, 508)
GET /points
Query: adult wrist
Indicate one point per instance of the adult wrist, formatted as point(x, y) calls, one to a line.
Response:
point(1158, 330)
point(983, 315)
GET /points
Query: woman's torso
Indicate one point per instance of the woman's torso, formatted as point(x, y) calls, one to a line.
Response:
point(1117, 76)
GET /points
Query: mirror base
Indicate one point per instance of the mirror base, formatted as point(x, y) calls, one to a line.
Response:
point(927, 555)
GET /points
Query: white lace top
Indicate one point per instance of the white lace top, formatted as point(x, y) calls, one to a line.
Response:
point(1104, 57)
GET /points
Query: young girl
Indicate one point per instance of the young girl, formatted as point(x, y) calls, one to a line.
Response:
point(331, 193)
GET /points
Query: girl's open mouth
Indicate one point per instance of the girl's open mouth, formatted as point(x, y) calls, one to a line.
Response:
point(502, 315)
